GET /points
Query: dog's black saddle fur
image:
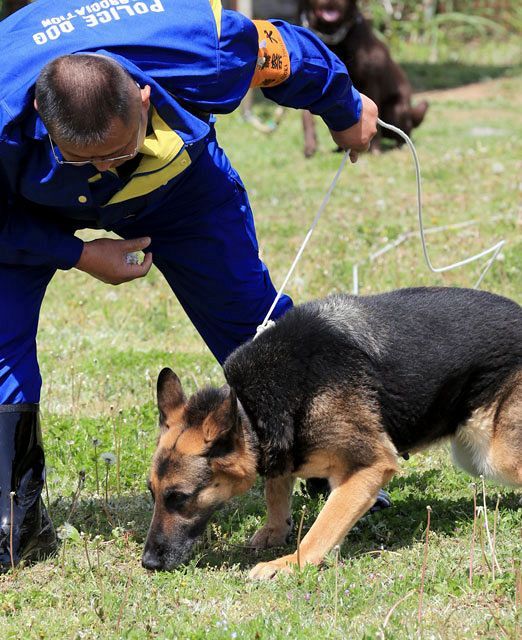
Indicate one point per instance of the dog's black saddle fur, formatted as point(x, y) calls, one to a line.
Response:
point(424, 358)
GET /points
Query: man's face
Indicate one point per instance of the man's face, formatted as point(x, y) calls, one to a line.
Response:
point(124, 140)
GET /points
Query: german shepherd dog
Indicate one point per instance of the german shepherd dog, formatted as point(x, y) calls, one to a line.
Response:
point(338, 389)
point(342, 27)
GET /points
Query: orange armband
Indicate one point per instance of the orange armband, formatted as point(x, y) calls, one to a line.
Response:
point(273, 61)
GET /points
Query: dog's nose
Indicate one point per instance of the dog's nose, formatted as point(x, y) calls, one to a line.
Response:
point(151, 561)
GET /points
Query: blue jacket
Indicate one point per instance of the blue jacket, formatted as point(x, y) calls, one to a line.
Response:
point(191, 49)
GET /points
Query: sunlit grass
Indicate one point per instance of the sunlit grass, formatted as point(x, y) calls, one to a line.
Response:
point(101, 349)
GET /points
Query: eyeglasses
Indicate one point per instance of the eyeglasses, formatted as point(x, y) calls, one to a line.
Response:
point(82, 163)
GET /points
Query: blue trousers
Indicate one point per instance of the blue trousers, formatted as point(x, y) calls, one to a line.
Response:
point(204, 243)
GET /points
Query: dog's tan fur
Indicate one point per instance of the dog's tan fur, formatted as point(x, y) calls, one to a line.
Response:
point(339, 389)
point(489, 443)
point(177, 463)
point(356, 456)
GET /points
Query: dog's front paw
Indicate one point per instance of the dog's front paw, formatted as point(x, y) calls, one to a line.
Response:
point(268, 570)
point(270, 536)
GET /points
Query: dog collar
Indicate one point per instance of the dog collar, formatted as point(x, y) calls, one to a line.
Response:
point(330, 38)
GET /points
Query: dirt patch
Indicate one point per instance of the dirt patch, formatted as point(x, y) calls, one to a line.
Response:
point(474, 91)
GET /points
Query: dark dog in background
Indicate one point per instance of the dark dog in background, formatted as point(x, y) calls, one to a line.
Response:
point(338, 389)
point(341, 26)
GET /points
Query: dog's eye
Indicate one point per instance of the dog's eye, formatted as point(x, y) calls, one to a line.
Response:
point(174, 500)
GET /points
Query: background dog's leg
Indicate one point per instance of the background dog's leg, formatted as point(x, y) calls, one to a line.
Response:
point(349, 500)
point(278, 495)
point(310, 136)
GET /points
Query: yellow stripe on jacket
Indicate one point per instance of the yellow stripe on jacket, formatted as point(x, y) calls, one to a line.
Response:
point(216, 10)
point(161, 162)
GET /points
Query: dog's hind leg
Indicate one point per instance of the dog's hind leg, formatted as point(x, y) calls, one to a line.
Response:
point(490, 441)
point(506, 443)
point(350, 498)
point(278, 495)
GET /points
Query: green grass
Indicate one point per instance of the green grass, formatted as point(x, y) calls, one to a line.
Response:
point(101, 349)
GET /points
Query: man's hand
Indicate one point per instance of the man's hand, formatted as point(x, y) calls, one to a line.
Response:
point(106, 259)
point(358, 137)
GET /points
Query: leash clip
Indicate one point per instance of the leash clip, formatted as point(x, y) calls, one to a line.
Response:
point(263, 327)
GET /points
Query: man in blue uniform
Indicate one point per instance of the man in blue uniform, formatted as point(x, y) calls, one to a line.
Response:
point(105, 122)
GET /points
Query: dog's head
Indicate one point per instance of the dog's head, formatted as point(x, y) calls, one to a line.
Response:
point(202, 459)
point(327, 16)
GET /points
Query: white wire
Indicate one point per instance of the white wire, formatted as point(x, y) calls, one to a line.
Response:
point(495, 250)
point(326, 198)
point(410, 234)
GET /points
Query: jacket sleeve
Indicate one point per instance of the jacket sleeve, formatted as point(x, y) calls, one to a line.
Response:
point(27, 240)
point(317, 79)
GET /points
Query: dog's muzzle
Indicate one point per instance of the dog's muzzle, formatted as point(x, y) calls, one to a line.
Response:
point(166, 550)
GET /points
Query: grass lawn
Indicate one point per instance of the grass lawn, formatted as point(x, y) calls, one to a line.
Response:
point(101, 349)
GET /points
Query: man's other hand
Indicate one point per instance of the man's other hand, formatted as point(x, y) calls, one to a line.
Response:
point(106, 259)
point(358, 137)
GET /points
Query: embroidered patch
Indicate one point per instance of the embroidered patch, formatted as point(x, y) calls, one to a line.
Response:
point(273, 61)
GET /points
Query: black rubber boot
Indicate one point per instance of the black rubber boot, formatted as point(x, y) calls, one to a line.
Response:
point(26, 531)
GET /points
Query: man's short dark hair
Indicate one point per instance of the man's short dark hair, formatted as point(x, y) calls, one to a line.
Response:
point(79, 95)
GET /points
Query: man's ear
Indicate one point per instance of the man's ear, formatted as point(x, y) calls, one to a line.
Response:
point(169, 392)
point(222, 428)
point(35, 104)
point(145, 96)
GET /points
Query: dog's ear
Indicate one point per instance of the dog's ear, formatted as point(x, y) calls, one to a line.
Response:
point(222, 427)
point(169, 392)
